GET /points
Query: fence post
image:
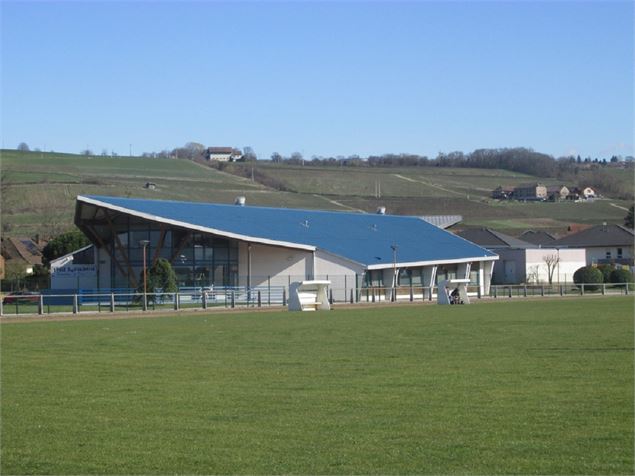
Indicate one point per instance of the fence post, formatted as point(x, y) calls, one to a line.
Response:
point(495, 291)
point(412, 296)
point(204, 299)
point(233, 301)
point(177, 304)
point(112, 302)
point(542, 291)
point(40, 305)
point(582, 289)
point(603, 289)
point(1, 308)
point(510, 292)
point(561, 293)
point(284, 296)
point(145, 301)
point(75, 304)
point(259, 301)
point(351, 296)
point(373, 294)
point(525, 290)
point(478, 291)
point(331, 296)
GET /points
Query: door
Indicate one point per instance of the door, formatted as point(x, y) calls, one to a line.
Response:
point(510, 272)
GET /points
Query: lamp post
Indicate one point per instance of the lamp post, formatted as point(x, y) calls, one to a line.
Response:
point(144, 244)
point(394, 272)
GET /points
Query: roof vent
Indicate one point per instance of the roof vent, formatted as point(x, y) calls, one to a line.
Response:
point(240, 201)
point(381, 210)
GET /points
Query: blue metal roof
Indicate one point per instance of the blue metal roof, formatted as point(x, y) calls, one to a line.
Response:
point(364, 238)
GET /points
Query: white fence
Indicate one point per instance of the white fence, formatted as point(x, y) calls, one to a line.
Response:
point(266, 296)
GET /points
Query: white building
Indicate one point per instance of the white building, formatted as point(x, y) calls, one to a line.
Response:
point(604, 244)
point(524, 262)
point(233, 245)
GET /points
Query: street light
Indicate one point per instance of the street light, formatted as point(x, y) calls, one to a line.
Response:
point(394, 272)
point(144, 244)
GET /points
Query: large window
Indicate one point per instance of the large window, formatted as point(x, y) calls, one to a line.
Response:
point(198, 259)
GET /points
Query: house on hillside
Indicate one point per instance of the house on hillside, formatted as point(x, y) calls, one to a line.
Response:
point(581, 193)
point(540, 238)
point(503, 192)
point(524, 262)
point(536, 191)
point(604, 244)
point(223, 154)
point(219, 245)
point(557, 193)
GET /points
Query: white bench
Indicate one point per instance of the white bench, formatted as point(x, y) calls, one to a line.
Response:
point(309, 296)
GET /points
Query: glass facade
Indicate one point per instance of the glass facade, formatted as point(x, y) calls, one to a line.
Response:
point(197, 259)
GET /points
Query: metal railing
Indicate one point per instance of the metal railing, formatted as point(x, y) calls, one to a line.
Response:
point(92, 301)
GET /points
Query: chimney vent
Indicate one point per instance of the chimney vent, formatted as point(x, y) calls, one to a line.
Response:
point(381, 210)
point(240, 201)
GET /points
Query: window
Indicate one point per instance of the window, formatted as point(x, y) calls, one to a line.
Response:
point(608, 254)
point(619, 253)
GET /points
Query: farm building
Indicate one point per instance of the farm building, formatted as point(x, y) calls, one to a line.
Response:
point(236, 245)
point(222, 154)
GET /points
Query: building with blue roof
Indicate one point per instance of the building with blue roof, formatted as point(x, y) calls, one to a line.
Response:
point(235, 245)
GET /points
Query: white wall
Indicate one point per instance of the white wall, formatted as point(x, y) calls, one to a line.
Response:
point(517, 266)
point(67, 275)
point(593, 254)
point(275, 262)
point(341, 272)
point(570, 261)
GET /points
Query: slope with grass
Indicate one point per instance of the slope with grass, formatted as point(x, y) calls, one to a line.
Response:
point(543, 387)
point(39, 189)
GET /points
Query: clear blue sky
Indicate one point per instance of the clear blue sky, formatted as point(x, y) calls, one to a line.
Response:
point(320, 78)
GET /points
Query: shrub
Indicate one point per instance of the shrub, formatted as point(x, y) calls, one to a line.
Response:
point(588, 275)
point(621, 276)
point(161, 276)
point(606, 270)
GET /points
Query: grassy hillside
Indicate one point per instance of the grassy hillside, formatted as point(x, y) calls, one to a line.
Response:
point(39, 189)
point(432, 190)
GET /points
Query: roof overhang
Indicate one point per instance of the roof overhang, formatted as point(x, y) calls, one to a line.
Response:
point(413, 264)
point(215, 231)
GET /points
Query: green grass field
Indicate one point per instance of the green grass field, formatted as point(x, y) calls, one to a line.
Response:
point(541, 387)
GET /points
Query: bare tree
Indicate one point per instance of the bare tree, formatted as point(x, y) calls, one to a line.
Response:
point(23, 146)
point(551, 261)
point(533, 275)
point(249, 155)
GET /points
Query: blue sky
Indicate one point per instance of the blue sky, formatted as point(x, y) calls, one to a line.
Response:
point(321, 78)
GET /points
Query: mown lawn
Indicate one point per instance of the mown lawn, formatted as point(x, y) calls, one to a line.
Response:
point(540, 387)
